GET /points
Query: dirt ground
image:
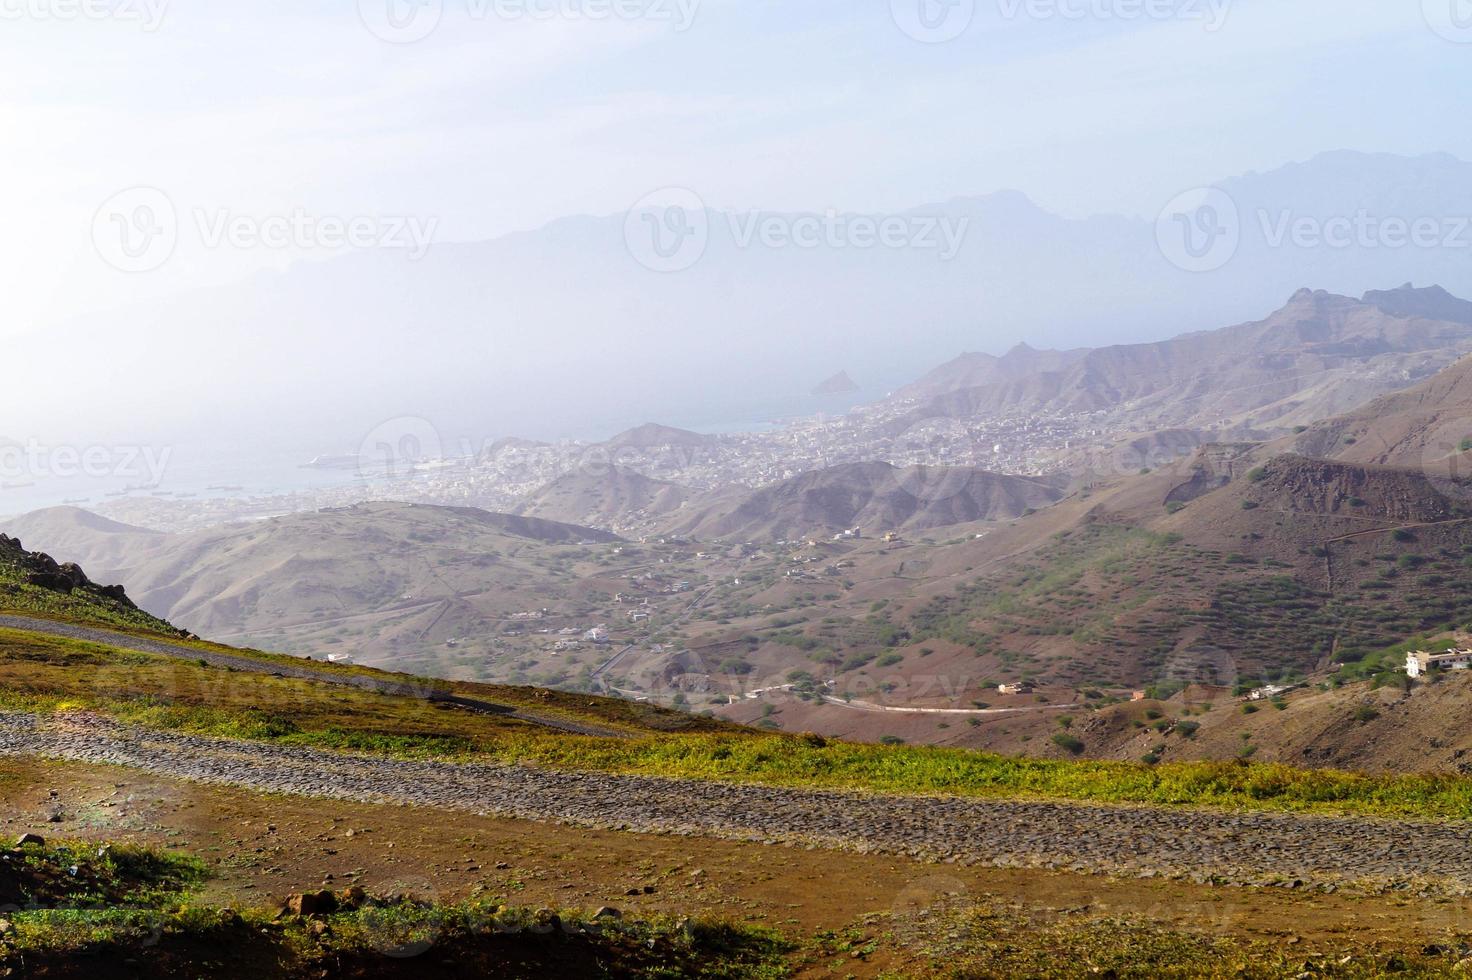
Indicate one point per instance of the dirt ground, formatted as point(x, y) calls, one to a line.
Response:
point(264, 848)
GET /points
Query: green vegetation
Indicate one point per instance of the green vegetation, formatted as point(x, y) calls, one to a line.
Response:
point(1068, 743)
point(126, 902)
point(42, 674)
point(73, 875)
point(20, 597)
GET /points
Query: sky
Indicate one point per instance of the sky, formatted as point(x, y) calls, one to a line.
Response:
point(272, 126)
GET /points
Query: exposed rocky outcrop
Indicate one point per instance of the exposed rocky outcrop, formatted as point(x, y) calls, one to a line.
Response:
point(41, 570)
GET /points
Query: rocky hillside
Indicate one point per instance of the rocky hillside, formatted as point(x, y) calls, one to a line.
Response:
point(874, 497)
point(379, 581)
point(1320, 355)
point(1428, 426)
point(606, 497)
point(33, 583)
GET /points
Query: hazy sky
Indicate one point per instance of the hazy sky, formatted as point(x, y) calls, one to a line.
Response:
point(510, 113)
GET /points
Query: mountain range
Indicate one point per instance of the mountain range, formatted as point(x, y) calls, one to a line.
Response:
point(1318, 355)
point(517, 332)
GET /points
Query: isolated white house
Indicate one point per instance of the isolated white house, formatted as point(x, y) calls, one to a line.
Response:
point(1419, 662)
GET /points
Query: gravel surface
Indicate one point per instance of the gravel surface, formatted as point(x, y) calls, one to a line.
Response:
point(409, 688)
point(1248, 849)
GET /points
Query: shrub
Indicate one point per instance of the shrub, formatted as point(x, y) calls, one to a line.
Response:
point(1365, 714)
point(1068, 743)
point(1258, 475)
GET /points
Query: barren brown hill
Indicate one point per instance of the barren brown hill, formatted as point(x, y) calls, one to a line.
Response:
point(606, 496)
point(874, 497)
point(1428, 427)
point(1318, 356)
point(390, 584)
point(655, 436)
point(102, 545)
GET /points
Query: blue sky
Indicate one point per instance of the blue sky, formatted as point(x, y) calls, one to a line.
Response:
point(505, 121)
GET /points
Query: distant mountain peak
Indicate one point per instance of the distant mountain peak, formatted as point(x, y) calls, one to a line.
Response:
point(652, 434)
point(1431, 302)
point(839, 384)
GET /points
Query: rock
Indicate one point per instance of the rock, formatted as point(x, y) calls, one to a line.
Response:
point(312, 903)
point(28, 839)
point(351, 898)
point(608, 912)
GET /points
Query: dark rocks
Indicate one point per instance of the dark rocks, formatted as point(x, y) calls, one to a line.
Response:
point(30, 840)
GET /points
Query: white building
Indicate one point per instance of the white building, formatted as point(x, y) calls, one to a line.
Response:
point(1419, 662)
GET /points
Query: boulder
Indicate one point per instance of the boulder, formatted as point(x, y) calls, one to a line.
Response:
point(312, 903)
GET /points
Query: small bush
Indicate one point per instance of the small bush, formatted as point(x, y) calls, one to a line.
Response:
point(1068, 743)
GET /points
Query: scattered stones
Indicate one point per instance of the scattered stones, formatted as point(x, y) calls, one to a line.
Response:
point(1147, 842)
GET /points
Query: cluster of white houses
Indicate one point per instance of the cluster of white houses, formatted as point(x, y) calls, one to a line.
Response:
point(1419, 662)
